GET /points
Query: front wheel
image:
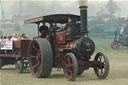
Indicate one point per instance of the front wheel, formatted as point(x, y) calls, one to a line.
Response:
point(70, 66)
point(102, 69)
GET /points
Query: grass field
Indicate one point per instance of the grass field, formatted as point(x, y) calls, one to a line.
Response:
point(118, 74)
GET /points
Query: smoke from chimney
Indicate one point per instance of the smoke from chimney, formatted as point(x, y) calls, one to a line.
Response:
point(83, 2)
point(40, 8)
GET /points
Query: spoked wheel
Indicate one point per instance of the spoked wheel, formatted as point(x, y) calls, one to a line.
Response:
point(20, 66)
point(115, 45)
point(40, 58)
point(102, 69)
point(70, 66)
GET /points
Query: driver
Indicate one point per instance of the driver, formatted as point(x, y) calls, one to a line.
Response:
point(43, 30)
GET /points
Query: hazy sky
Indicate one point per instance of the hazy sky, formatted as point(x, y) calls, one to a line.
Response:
point(61, 0)
point(11, 7)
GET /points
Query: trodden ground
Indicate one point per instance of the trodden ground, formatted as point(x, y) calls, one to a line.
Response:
point(118, 74)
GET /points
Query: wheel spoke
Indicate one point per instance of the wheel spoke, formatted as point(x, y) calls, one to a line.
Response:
point(39, 53)
point(38, 70)
point(33, 57)
point(33, 46)
point(104, 65)
point(101, 71)
point(33, 67)
point(97, 69)
point(69, 72)
point(100, 58)
point(69, 62)
point(71, 65)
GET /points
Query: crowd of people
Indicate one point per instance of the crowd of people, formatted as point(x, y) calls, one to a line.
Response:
point(15, 37)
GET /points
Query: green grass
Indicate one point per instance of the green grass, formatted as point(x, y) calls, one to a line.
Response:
point(104, 45)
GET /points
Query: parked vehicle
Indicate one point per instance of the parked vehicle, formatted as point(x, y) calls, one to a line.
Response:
point(121, 40)
point(14, 52)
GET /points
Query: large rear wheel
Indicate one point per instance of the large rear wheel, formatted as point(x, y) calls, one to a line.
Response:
point(70, 66)
point(102, 69)
point(40, 58)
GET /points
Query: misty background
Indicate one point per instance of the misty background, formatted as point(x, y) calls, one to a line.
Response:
point(102, 14)
point(40, 8)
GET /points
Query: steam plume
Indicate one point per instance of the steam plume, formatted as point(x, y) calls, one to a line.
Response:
point(83, 2)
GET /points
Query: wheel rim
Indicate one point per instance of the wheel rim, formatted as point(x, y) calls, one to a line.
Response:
point(35, 58)
point(103, 68)
point(68, 67)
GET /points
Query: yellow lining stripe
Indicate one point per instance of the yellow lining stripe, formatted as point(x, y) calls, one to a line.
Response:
point(86, 35)
point(83, 8)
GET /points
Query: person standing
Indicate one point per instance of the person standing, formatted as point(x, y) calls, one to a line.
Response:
point(43, 30)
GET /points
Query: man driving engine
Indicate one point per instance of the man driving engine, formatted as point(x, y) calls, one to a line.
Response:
point(43, 30)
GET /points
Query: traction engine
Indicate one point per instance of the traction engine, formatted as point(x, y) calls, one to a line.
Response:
point(70, 50)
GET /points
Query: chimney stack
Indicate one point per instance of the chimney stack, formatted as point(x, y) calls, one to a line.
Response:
point(83, 17)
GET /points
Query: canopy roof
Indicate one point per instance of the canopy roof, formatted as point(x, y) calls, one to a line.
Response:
point(55, 18)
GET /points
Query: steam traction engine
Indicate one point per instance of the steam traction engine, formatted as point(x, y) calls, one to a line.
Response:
point(121, 40)
point(69, 48)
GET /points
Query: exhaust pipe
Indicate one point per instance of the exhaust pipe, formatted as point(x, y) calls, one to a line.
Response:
point(83, 17)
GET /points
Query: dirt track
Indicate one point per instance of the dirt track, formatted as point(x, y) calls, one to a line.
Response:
point(118, 74)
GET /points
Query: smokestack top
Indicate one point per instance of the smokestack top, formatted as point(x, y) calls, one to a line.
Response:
point(83, 17)
point(83, 3)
